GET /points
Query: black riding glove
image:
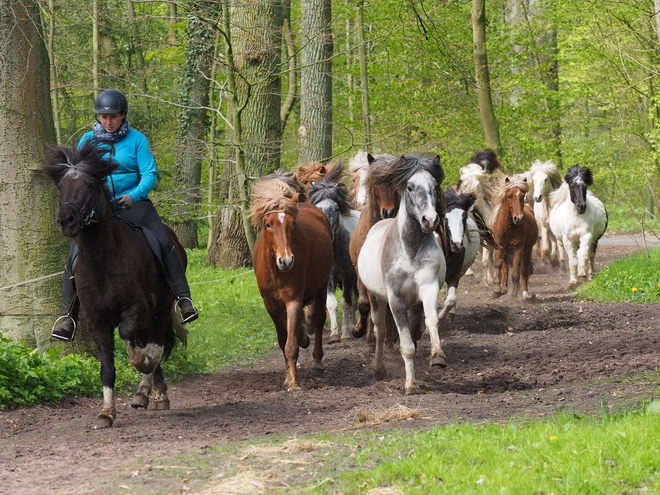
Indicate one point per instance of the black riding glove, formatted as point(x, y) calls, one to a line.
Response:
point(126, 201)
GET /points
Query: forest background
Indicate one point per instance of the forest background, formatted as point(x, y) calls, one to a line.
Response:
point(227, 91)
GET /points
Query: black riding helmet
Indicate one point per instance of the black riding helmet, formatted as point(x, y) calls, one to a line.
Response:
point(111, 101)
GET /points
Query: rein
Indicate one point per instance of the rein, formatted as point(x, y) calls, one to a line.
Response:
point(86, 221)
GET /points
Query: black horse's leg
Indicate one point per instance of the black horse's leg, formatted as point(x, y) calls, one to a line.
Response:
point(317, 319)
point(152, 385)
point(103, 335)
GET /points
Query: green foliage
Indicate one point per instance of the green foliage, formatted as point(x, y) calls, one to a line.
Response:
point(28, 378)
point(634, 279)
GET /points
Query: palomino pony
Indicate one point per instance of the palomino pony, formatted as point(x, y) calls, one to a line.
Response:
point(382, 202)
point(462, 238)
point(331, 196)
point(401, 263)
point(118, 280)
point(515, 233)
point(292, 260)
point(578, 219)
point(545, 178)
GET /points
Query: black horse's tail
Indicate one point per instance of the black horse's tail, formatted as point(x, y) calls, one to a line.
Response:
point(179, 330)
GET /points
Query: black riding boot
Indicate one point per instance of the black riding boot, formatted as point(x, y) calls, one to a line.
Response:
point(177, 279)
point(65, 326)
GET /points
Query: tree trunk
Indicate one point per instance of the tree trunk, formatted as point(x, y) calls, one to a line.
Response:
point(486, 111)
point(364, 77)
point(30, 244)
point(315, 131)
point(193, 122)
point(253, 58)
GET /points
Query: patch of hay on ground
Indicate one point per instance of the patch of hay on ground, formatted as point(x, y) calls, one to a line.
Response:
point(247, 482)
point(365, 417)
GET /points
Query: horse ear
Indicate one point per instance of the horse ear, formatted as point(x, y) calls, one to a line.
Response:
point(295, 198)
point(370, 158)
point(507, 180)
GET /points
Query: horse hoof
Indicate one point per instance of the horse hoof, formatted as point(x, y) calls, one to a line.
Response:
point(161, 405)
point(412, 390)
point(140, 401)
point(102, 421)
point(359, 331)
point(334, 339)
point(497, 294)
point(293, 388)
point(304, 343)
point(439, 360)
point(379, 374)
point(527, 296)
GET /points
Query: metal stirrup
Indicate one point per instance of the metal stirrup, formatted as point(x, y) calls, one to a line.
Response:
point(73, 334)
point(192, 316)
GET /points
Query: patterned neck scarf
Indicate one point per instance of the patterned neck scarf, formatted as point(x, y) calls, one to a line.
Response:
point(113, 137)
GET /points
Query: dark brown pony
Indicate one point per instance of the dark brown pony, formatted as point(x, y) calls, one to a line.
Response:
point(515, 232)
point(382, 202)
point(117, 277)
point(292, 259)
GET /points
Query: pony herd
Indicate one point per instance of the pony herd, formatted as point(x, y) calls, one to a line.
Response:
point(397, 239)
point(390, 243)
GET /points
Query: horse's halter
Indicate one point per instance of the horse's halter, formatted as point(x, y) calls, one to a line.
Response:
point(85, 221)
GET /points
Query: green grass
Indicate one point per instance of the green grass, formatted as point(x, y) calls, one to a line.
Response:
point(632, 279)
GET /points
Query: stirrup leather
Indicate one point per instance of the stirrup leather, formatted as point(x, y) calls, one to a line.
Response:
point(193, 316)
point(73, 333)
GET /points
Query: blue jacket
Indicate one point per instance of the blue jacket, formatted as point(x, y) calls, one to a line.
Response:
point(137, 173)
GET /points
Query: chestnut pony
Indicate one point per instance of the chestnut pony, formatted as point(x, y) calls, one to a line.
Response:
point(382, 201)
point(292, 260)
point(118, 279)
point(515, 232)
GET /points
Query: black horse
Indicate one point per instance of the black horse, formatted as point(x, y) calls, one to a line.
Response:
point(117, 277)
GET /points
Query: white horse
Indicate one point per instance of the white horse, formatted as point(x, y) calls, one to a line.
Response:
point(546, 178)
point(462, 240)
point(476, 179)
point(578, 219)
point(402, 265)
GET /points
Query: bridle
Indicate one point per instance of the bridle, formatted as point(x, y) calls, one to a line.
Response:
point(85, 220)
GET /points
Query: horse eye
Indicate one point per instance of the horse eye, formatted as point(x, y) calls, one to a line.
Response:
point(410, 188)
point(267, 225)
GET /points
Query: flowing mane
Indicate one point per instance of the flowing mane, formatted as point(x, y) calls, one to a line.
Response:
point(332, 187)
point(310, 172)
point(503, 184)
point(88, 159)
point(549, 169)
point(272, 195)
point(487, 160)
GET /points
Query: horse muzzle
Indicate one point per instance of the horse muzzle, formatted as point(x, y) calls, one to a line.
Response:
point(69, 223)
point(285, 263)
point(518, 219)
point(456, 246)
point(581, 208)
point(388, 212)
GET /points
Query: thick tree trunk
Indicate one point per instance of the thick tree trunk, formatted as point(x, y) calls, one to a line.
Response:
point(364, 77)
point(30, 244)
point(255, 43)
point(193, 123)
point(486, 110)
point(315, 131)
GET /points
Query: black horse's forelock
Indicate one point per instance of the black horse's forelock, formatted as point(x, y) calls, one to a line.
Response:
point(463, 201)
point(576, 171)
point(89, 159)
point(331, 187)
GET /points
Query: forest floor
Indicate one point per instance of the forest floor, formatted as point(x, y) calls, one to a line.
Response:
point(506, 360)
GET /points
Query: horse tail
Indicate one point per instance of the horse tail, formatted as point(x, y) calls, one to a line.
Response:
point(179, 330)
point(486, 238)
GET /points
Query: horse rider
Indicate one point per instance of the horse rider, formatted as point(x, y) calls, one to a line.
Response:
point(129, 186)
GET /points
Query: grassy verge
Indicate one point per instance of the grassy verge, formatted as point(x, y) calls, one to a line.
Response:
point(632, 279)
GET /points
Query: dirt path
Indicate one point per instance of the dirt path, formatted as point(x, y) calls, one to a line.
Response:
point(504, 359)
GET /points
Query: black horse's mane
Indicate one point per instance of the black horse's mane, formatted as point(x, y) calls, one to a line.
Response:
point(89, 159)
point(290, 179)
point(399, 171)
point(576, 171)
point(332, 187)
point(487, 159)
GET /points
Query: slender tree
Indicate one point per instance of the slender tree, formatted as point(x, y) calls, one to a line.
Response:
point(193, 121)
point(30, 244)
point(484, 97)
